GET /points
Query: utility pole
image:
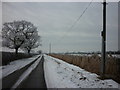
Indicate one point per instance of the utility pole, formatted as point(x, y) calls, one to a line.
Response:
point(50, 48)
point(103, 41)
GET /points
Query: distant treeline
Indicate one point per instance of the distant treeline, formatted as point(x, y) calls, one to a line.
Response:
point(98, 52)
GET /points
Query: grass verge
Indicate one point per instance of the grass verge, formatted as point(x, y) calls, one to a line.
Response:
point(92, 64)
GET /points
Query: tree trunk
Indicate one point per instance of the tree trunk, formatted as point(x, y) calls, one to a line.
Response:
point(16, 51)
point(29, 52)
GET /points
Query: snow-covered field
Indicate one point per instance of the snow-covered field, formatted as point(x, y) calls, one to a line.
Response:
point(15, 65)
point(89, 55)
point(59, 74)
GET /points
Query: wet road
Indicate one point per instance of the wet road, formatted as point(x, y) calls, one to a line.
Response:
point(34, 80)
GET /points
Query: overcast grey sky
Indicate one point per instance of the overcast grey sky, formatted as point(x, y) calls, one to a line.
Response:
point(54, 19)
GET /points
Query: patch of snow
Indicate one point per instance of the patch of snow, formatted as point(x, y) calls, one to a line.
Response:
point(88, 55)
point(5, 49)
point(116, 55)
point(82, 54)
point(59, 74)
point(26, 73)
point(15, 65)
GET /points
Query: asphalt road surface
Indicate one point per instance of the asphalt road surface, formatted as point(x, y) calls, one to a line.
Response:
point(34, 80)
point(9, 81)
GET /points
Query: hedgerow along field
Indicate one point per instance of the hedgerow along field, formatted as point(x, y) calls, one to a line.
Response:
point(7, 57)
point(92, 64)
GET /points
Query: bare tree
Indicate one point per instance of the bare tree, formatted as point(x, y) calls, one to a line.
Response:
point(32, 41)
point(16, 33)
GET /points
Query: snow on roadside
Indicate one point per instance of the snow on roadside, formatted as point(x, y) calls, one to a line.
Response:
point(5, 49)
point(15, 65)
point(26, 73)
point(59, 74)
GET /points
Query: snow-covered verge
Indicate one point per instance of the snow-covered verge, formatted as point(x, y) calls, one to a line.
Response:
point(59, 74)
point(5, 49)
point(15, 65)
point(27, 73)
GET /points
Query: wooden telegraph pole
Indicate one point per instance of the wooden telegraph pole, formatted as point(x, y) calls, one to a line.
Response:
point(50, 48)
point(103, 41)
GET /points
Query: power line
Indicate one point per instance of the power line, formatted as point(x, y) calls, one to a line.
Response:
point(78, 18)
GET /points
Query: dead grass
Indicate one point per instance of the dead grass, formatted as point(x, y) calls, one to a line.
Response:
point(92, 64)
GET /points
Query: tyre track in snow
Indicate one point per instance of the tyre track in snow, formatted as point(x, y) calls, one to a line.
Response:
point(36, 78)
point(10, 80)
